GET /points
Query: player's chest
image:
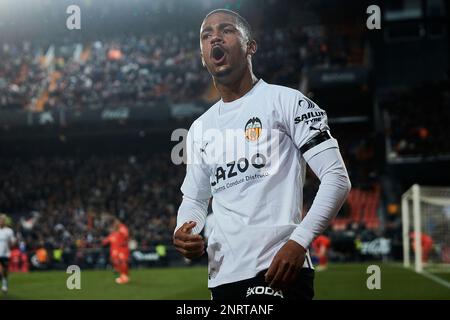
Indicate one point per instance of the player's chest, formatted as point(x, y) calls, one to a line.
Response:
point(242, 133)
point(3, 236)
point(245, 144)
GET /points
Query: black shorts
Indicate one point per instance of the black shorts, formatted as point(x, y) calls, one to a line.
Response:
point(257, 289)
point(4, 262)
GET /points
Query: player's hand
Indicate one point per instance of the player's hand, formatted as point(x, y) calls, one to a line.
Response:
point(188, 244)
point(285, 265)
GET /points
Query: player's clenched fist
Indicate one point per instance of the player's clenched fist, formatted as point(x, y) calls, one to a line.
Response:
point(188, 244)
point(285, 266)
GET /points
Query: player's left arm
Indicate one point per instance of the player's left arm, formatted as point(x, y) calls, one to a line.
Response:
point(335, 185)
point(307, 126)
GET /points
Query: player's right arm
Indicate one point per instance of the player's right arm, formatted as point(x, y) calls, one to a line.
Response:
point(192, 212)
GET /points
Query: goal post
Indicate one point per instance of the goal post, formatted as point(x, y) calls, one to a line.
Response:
point(426, 227)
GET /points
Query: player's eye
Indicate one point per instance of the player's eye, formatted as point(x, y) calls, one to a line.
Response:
point(206, 35)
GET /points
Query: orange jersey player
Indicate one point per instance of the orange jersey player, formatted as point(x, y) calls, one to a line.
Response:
point(427, 244)
point(321, 245)
point(119, 251)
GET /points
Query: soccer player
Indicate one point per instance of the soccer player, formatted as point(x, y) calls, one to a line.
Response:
point(6, 241)
point(119, 251)
point(321, 245)
point(427, 244)
point(259, 245)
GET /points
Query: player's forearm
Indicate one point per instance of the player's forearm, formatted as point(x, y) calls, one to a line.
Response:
point(192, 210)
point(333, 190)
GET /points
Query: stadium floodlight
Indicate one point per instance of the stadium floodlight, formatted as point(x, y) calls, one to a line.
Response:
point(426, 227)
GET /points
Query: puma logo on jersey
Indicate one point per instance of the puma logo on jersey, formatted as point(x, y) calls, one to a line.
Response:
point(203, 150)
point(312, 128)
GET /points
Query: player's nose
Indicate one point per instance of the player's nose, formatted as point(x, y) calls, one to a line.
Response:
point(216, 38)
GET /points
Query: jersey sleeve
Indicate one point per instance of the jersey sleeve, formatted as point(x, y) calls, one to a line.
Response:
point(307, 125)
point(196, 184)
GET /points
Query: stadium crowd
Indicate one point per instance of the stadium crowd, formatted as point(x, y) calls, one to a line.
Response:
point(69, 202)
point(146, 69)
point(21, 75)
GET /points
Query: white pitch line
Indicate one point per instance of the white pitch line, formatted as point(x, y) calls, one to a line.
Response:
point(436, 279)
point(428, 275)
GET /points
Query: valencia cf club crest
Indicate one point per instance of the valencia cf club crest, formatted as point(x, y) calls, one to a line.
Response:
point(253, 129)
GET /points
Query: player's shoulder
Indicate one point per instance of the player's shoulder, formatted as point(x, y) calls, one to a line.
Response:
point(206, 119)
point(286, 98)
point(291, 97)
point(282, 91)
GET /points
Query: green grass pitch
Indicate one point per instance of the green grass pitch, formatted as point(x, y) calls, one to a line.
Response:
point(339, 281)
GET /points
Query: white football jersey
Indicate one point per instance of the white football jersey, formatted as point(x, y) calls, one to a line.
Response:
point(6, 237)
point(249, 155)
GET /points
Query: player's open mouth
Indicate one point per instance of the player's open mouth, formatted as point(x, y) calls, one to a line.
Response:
point(217, 55)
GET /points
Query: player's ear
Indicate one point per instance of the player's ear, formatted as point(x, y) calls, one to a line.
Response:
point(252, 47)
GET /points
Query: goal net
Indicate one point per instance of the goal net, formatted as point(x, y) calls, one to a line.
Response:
point(426, 228)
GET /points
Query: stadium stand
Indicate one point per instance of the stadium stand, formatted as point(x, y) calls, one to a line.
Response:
point(413, 129)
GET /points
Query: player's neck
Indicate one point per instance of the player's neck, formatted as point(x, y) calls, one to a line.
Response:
point(233, 91)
